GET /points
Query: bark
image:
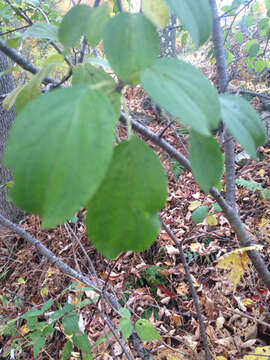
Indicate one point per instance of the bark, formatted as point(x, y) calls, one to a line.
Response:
point(7, 208)
point(167, 39)
point(223, 82)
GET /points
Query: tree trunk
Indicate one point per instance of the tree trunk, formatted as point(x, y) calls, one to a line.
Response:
point(7, 208)
point(167, 39)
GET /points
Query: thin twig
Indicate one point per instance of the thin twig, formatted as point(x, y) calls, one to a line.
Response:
point(236, 311)
point(192, 289)
point(119, 340)
point(165, 128)
point(93, 270)
point(11, 31)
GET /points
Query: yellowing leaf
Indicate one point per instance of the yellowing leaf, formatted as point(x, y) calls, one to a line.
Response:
point(211, 220)
point(54, 59)
point(194, 205)
point(248, 302)
point(236, 262)
point(262, 172)
point(261, 351)
point(220, 358)
point(263, 222)
point(157, 12)
point(11, 98)
point(24, 330)
point(44, 291)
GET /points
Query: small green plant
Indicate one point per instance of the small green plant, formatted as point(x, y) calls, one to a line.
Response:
point(153, 275)
point(176, 169)
point(39, 326)
point(253, 186)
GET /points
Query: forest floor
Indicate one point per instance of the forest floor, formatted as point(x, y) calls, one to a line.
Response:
point(153, 283)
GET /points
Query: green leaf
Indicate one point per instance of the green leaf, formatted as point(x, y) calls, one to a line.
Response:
point(195, 16)
point(59, 163)
point(250, 20)
point(206, 160)
point(42, 30)
point(252, 47)
point(96, 24)
point(123, 211)
point(126, 327)
point(253, 50)
point(146, 330)
point(47, 305)
point(239, 37)
point(38, 343)
point(243, 122)
point(10, 100)
point(185, 92)
point(71, 324)
point(157, 12)
point(125, 313)
point(131, 44)
point(200, 214)
point(260, 65)
point(82, 342)
point(14, 42)
point(99, 79)
point(66, 351)
point(74, 25)
point(217, 207)
point(61, 312)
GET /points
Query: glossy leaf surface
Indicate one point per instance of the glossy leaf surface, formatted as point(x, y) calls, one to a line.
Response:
point(184, 92)
point(243, 122)
point(123, 213)
point(100, 80)
point(74, 25)
point(196, 16)
point(59, 149)
point(131, 45)
point(206, 160)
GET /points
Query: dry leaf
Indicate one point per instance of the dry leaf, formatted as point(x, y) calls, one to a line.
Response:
point(236, 262)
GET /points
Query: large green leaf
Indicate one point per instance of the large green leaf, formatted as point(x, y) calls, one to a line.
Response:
point(196, 16)
point(206, 160)
point(59, 149)
point(96, 24)
point(42, 30)
point(243, 122)
point(131, 45)
point(185, 92)
point(99, 79)
point(122, 214)
point(74, 25)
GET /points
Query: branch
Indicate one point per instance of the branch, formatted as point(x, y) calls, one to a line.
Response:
point(11, 31)
point(253, 93)
point(223, 81)
point(192, 289)
point(15, 56)
point(120, 5)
